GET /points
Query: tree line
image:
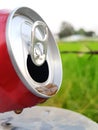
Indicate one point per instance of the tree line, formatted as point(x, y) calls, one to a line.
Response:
point(66, 29)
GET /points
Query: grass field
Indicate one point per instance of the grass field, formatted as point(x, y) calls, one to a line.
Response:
point(79, 90)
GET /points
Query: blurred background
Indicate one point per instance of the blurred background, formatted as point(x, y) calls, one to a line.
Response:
point(74, 24)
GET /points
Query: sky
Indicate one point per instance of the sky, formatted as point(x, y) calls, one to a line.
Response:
point(80, 13)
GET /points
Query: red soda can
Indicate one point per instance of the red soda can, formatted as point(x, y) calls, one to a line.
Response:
point(30, 63)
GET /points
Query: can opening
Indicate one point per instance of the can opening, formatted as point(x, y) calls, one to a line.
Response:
point(38, 73)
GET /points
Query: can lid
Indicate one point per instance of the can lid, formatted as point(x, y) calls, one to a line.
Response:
point(33, 52)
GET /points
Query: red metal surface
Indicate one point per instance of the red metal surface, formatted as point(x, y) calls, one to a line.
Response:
point(13, 94)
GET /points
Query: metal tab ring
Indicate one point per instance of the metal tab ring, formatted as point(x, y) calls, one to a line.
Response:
point(39, 24)
point(35, 41)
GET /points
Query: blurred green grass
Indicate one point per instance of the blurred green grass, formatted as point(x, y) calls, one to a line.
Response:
point(79, 90)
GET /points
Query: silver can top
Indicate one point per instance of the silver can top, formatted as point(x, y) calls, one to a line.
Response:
point(33, 52)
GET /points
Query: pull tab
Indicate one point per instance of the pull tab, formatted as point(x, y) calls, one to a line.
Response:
point(38, 47)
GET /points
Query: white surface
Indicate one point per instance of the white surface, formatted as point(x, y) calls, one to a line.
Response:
point(46, 118)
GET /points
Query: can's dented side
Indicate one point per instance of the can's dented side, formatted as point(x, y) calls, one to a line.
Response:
point(13, 94)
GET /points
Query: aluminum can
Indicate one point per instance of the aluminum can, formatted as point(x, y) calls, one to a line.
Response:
point(30, 63)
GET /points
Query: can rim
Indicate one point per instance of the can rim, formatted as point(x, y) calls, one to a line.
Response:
point(26, 11)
